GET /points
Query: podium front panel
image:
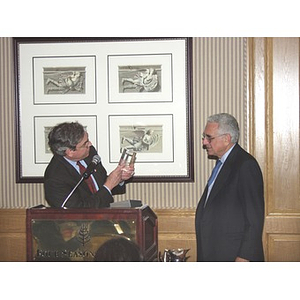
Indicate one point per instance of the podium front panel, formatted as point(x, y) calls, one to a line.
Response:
point(76, 234)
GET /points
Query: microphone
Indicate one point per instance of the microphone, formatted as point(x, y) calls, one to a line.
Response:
point(91, 167)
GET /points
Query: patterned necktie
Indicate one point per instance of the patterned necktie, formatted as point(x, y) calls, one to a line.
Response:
point(214, 172)
point(89, 180)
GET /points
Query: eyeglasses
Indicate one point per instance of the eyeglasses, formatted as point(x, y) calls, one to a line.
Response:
point(84, 145)
point(210, 138)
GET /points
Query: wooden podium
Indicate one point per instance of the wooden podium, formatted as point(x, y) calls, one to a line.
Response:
point(56, 234)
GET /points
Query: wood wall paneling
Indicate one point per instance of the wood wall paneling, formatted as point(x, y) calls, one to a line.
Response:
point(274, 106)
point(176, 229)
point(12, 235)
point(285, 108)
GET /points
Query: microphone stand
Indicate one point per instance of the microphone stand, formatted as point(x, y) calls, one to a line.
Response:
point(63, 205)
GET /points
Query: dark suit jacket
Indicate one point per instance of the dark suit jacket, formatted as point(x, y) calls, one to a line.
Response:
point(232, 221)
point(61, 177)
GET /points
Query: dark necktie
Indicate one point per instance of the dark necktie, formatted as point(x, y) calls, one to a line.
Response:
point(89, 180)
point(214, 172)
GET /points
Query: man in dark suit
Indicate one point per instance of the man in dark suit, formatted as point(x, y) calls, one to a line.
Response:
point(70, 144)
point(230, 214)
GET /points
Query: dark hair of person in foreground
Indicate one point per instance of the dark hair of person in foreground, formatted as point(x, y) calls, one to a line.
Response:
point(118, 250)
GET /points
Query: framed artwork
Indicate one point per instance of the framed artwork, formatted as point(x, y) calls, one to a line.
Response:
point(129, 93)
point(140, 78)
point(64, 80)
point(151, 137)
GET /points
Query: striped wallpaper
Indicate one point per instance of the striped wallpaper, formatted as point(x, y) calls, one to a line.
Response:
point(219, 85)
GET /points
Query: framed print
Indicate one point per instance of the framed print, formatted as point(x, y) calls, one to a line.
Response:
point(151, 137)
point(129, 93)
point(64, 80)
point(140, 78)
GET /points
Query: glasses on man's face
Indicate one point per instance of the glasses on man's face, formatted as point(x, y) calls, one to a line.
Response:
point(210, 138)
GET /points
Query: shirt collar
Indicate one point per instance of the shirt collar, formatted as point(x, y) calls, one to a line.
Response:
point(74, 163)
point(224, 157)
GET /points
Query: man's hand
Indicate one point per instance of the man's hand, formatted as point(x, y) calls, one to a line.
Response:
point(239, 259)
point(127, 172)
point(114, 178)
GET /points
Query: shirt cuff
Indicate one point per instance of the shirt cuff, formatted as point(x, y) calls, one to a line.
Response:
point(107, 189)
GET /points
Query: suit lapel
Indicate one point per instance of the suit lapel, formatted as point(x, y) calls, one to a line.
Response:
point(223, 175)
point(74, 174)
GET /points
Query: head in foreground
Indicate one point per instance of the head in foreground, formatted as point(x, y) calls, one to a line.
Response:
point(118, 250)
